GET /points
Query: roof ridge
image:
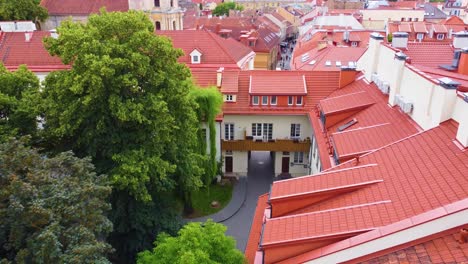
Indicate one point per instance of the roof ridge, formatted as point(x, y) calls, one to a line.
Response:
point(344, 95)
point(360, 128)
point(214, 37)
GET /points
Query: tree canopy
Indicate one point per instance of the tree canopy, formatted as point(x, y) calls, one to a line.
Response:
point(195, 243)
point(19, 96)
point(52, 209)
point(125, 102)
point(22, 10)
point(223, 8)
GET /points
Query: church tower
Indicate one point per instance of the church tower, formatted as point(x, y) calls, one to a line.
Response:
point(165, 14)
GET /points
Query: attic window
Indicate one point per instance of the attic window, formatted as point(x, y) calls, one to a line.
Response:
point(251, 43)
point(195, 56)
point(440, 36)
point(354, 44)
point(348, 124)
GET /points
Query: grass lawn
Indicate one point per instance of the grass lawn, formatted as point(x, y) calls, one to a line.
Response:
point(202, 199)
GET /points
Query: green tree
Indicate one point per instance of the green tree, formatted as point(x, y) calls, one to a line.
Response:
point(52, 209)
point(196, 243)
point(22, 10)
point(19, 96)
point(125, 102)
point(223, 8)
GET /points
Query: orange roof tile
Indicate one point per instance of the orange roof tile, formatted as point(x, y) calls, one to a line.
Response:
point(441, 53)
point(273, 83)
point(420, 27)
point(346, 102)
point(230, 82)
point(316, 59)
point(404, 27)
point(215, 50)
point(439, 28)
point(256, 228)
point(83, 7)
point(15, 50)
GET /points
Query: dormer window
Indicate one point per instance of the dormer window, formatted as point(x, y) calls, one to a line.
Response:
point(229, 98)
point(196, 56)
point(440, 36)
point(251, 43)
point(354, 43)
point(299, 100)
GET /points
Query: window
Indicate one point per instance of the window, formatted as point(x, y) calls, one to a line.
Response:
point(440, 36)
point(354, 43)
point(295, 130)
point(195, 58)
point(256, 129)
point(255, 100)
point(228, 152)
point(410, 19)
point(347, 124)
point(229, 131)
point(156, 3)
point(273, 100)
point(298, 157)
point(251, 43)
point(174, 25)
point(203, 131)
point(299, 100)
point(264, 100)
point(416, 19)
point(402, 19)
point(290, 100)
point(420, 36)
point(229, 98)
point(158, 25)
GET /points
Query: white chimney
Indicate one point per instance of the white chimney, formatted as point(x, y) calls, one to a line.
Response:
point(54, 34)
point(460, 39)
point(219, 76)
point(400, 40)
point(462, 132)
point(28, 36)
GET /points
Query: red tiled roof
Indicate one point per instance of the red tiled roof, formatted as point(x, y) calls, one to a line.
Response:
point(230, 82)
point(441, 53)
point(216, 51)
point(14, 51)
point(420, 27)
point(273, 83)
point(404, 176)
point(346, 102)
point(404, 4)
point(354, 36)
point(256, 228)
point(453, 20)
point(317, 58)
point(204, 77)
point(439, 28)
point(441, 249)
point(83, 7)
point(404, 27)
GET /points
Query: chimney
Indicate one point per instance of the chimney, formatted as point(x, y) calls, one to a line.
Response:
point(219, 76)
point(400, 40)
point(460, 40)
point(28, 36)
point(346, 35)
point(370, 66)
point(218, 28)
point(463, 62)
point(54, 34)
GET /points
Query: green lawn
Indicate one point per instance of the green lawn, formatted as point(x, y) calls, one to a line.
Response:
point(202, 199)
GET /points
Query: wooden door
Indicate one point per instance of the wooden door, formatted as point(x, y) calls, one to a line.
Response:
point(228, 164)
point(285, 165)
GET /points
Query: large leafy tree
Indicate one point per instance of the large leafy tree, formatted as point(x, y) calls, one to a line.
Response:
point(19, 95)
point(22, 10)
point(196, 243)
point(52, 209)
point(126, 103)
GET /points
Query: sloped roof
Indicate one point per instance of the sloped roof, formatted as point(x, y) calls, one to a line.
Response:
point(256, 228)
point(15, 50)
point(441, 53)
point(404, 177)
point(318, 57)
point(273, 83)
point(346, 102)
point(215, 50)
point(83, 7)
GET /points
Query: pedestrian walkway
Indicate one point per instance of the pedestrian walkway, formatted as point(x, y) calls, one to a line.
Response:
point(239, 192)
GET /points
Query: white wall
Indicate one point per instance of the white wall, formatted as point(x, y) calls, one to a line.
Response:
point(377, 18)
point(460, 114)
point(295, 170)
point(54, 21)
point(281, 125)
point(240, 162)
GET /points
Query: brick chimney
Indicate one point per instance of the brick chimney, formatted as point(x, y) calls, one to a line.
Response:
point(463, 63)
point(400, 40)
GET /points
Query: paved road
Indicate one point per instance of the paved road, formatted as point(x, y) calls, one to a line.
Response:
point(260, 177)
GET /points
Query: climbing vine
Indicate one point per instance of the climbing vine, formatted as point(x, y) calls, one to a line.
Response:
point(209, 105)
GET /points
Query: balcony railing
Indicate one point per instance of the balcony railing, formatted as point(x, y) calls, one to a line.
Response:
point(290, 145)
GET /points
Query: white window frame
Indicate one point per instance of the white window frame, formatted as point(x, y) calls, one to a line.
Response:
point(255, 100)
point(295, 131)
point(229, 98)
point(298, 100)
point(354, 43)
point(228, 131)
point(257, 129)
point(420, 36)
point(290, 100)
point(298, 157)
point(440, 36)
point(264, 100)
point(273, 100)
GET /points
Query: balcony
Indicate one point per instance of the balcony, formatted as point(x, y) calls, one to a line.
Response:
point(289, 145)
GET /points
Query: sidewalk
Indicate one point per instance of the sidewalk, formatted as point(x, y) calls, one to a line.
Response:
point(238, 198)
